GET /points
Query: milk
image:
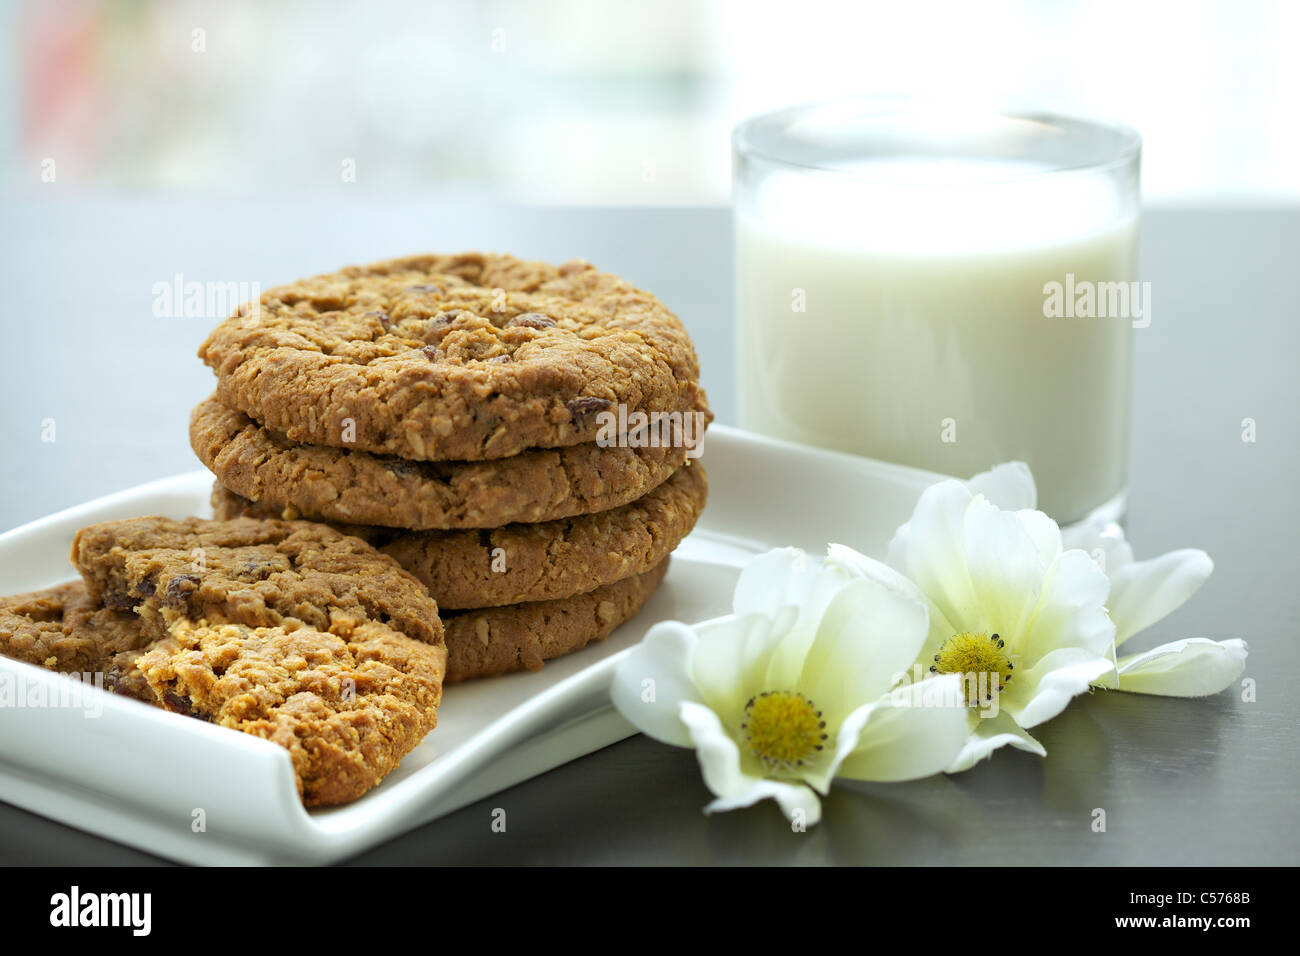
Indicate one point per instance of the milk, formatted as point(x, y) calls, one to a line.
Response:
point(898, 312)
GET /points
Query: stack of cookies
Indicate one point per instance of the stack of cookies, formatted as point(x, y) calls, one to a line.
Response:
point(286, 630)
point(519, 436)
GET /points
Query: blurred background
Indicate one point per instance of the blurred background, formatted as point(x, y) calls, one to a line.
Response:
point(147, 145)
point(599, 102)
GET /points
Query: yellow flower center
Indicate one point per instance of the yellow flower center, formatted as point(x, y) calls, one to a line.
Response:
point(783, 728)
point(981, 659)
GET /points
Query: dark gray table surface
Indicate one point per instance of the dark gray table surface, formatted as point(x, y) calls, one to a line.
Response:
point(1182, 781)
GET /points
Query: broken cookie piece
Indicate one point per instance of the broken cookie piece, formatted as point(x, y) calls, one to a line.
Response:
point(348, 705)
point(62, 629)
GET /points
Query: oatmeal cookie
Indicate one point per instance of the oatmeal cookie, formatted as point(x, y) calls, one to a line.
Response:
point(356, 487)
point(348, 704)
point(498, 640)
point(532, 562)
point(63, 629)
point(453, 357)
point(257, 573)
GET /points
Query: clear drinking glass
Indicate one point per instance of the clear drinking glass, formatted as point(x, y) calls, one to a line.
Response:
point(945, 287)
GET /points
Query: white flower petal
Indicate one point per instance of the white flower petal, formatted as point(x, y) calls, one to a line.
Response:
point(867, 638)
point(987, 735)
point(930, 549)
point(912, 733)
point(730, 659)
point(1010, 486)
point(1105, 540)
point(1071, 611)
point(792, 798)
point(657, 668)
point(782, 577)
point(1044, 532)
point(1192, 667)
point(856, 565)
point(1041, 692)
point(720, 765)
point(1143, 592)
point(1004, 569)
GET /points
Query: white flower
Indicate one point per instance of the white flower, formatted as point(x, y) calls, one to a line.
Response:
point(1141, 593)
point(795, 688)
point(985, 571)
point(1023, 617)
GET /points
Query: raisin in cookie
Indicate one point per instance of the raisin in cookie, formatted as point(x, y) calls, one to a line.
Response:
point(532, 562)
point(498, 640)
point(253, 572)
point(356, 487)
point(453, 357)
point(348, 704)
point(63, 629)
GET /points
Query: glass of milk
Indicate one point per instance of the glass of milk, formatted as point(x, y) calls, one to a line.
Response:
point(943, 286)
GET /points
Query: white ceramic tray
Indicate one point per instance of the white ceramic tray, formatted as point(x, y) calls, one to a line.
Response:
point(141, 776)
